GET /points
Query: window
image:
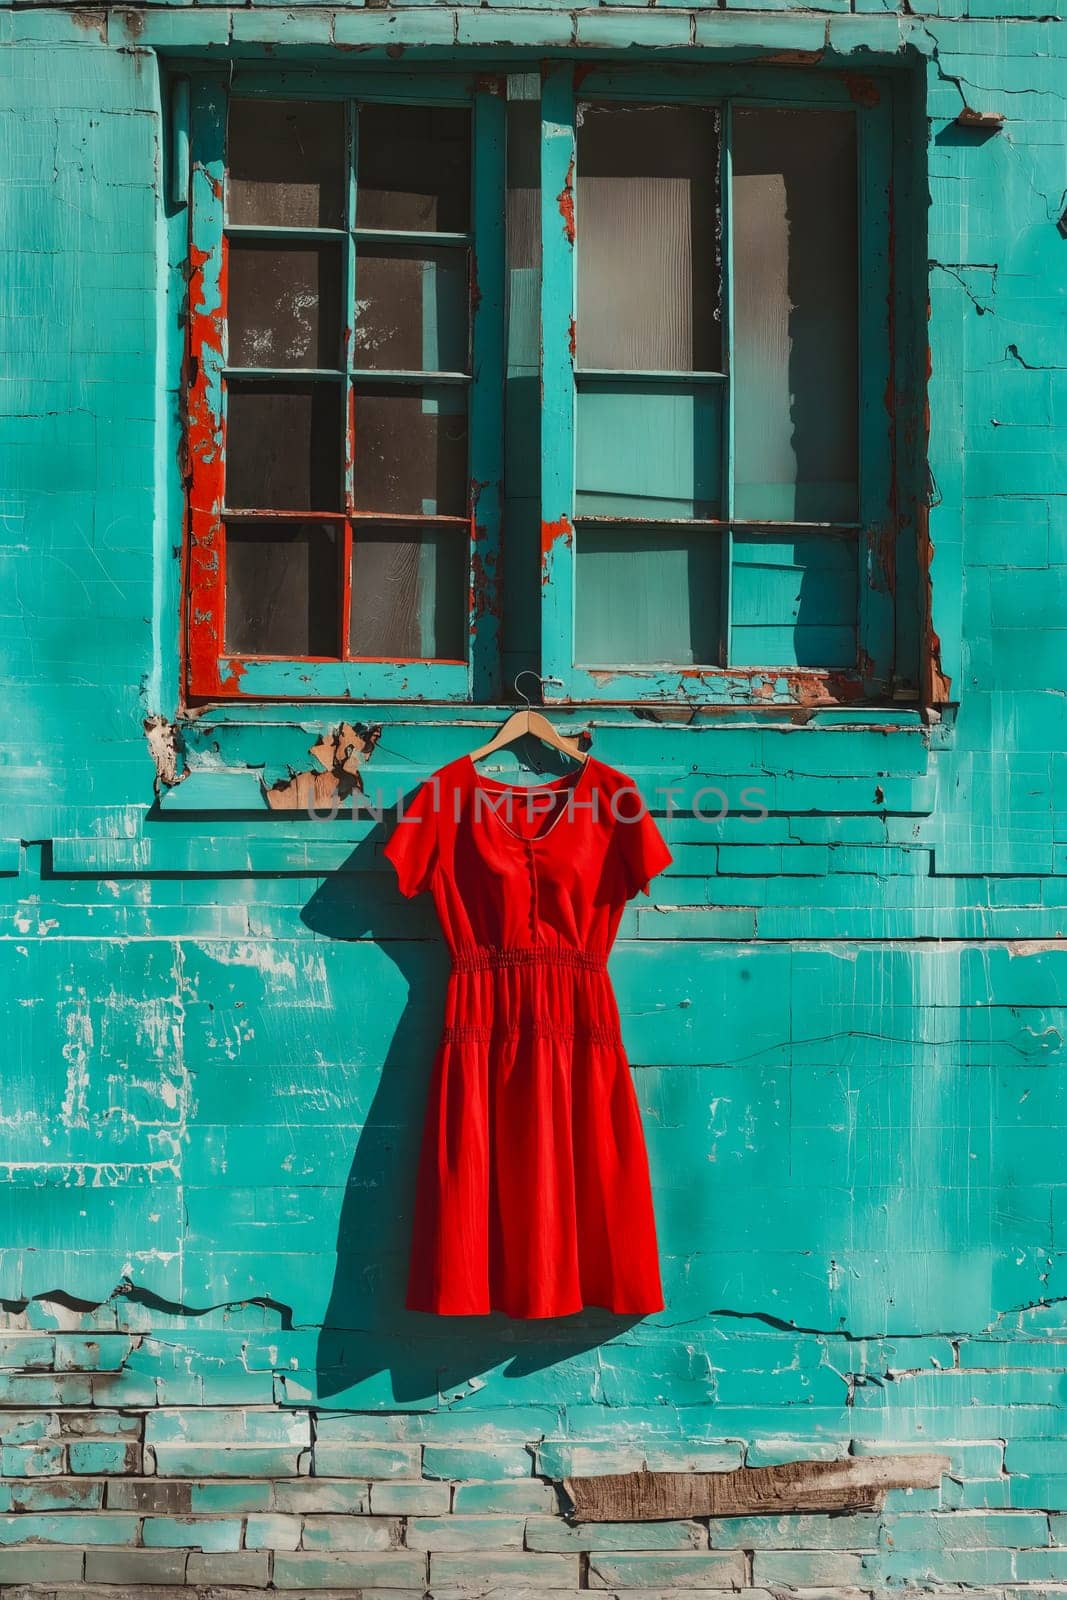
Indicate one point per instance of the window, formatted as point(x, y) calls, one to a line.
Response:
point(345, 391)
point(642, 317)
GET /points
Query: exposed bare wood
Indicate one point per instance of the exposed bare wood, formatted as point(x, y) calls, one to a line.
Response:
point(165, 748)
point(852, 1484)
point(989, 121)
point(341, 754)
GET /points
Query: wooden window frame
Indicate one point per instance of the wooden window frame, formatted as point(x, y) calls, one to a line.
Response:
point(212, 673)
point(564, 88)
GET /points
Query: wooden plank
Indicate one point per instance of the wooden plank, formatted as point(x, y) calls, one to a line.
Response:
point(852, 1484)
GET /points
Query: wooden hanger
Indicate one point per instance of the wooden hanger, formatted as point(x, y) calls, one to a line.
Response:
point(529, 721)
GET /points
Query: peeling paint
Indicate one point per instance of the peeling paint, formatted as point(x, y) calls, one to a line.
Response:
point(165, 747)
point(551, 534)
point(203, 455)
point(565, 203)
point(862, 91)
point(342, 756)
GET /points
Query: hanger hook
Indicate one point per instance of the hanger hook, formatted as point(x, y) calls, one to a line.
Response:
point(528, 672)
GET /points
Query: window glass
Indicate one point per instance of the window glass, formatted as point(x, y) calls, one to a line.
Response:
point(647, 210)
point(285, 163)
point(795, 359)
point(408, 593)
point(411, 449)
point(412, 309)
point(284, 304)
point(282, 589)
point(413, 170)
point(283, 446)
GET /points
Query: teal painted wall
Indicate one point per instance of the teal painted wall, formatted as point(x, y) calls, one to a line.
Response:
point(846, 1021)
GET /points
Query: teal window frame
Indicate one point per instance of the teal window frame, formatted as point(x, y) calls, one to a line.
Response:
point(212, 673)
point(564, 88)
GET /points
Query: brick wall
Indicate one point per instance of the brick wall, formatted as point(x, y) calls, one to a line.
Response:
point(253, 1497)
point(846, 1021)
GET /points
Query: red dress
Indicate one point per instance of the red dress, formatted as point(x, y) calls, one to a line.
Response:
point(533, 1194)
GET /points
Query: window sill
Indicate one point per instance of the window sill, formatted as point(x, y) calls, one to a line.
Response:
point(197, 722)
point(233, 754)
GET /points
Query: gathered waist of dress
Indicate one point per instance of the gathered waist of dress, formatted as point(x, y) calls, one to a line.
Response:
point(488, 958)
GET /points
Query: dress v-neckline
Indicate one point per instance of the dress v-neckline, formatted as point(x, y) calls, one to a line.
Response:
point(571, 780)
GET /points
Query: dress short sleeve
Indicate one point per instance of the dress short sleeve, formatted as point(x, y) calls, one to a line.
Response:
point(412, 845)
point(642, 848)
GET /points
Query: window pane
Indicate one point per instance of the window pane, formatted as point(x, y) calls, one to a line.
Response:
point(524, 181)
point(649, 450)
point(285, 163)
point(794, 600)
point(413, 168)
point(647, 596)
point(647, 230)
point(284, 305)
point(411, 449)
point(412, 309)
point(795, 315)
point(408, 593)
point(282, 589)
point(283, 446)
